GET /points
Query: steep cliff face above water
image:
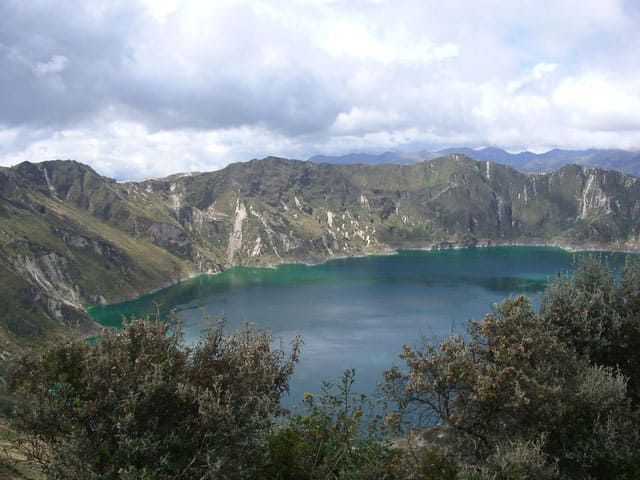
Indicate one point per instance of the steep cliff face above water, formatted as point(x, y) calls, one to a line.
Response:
point(70, 238)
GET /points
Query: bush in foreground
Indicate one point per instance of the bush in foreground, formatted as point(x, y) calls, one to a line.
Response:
point(519, 401)
point(598, 315)
point(336, 437)
point(139, 404)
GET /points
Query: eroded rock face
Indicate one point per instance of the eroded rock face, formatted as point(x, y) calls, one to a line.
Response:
point(51, 286)
point(78, 238)
point(171, 238)
point(90, 245)
point(235, 237)
point(50, 272)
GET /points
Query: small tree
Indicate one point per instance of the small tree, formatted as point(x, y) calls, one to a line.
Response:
point(336, 437)
point(598, 315)
point(139, 404)
point(512, 384)
point(598, 436)
point(505, 382)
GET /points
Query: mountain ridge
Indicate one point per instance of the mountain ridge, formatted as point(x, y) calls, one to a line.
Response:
point(614, 159)
point(70, 238)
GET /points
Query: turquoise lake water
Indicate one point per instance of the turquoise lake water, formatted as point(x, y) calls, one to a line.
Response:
point(358, 312)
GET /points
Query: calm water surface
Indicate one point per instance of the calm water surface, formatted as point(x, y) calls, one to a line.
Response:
point(358, 312)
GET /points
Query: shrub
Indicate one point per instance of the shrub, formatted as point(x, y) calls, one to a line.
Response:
point(599, 315)
point(139, 404)
point(599, 436)
point(520, 460)
point(334, 438)
point(507, 380)
point(512, 382)
point(431, 463)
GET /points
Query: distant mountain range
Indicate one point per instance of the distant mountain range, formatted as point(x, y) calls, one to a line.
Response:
point(620, 160)
point(71, 238)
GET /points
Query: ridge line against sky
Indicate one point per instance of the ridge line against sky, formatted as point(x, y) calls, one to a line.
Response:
point(152, 87)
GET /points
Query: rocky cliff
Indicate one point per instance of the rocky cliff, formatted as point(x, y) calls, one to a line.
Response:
point(70, 238)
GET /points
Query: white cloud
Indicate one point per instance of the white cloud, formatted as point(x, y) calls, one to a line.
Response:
point(129, 150)
point(597, 102)
point(542, 68)
point(166, 85)
point(55, 64)
point(358, 121)
point(160, 9)
point(387, 46)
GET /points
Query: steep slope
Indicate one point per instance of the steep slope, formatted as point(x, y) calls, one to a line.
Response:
point(67, 240)
point(70, 238)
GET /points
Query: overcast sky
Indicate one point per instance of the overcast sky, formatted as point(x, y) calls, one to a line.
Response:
point(149, 88)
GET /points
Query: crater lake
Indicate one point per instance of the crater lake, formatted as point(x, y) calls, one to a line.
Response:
point(357, 312)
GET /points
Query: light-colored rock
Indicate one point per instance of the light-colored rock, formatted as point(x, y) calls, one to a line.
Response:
point(235, 237)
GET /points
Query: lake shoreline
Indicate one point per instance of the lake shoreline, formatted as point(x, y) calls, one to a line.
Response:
point(442, 246)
